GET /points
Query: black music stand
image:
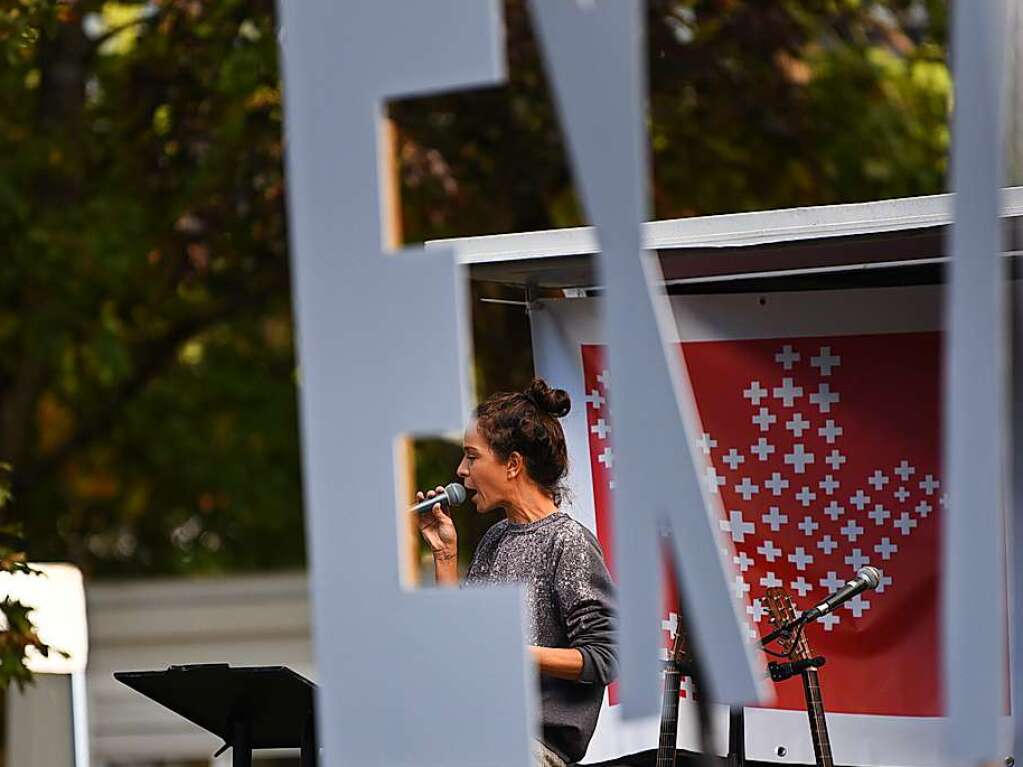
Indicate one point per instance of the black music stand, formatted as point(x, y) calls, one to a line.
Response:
point(247, 707)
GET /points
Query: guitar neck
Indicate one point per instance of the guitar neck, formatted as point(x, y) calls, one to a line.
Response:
point(669, 717)
point(818, 725)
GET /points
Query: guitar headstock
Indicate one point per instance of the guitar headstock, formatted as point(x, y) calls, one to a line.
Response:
point(781, 610)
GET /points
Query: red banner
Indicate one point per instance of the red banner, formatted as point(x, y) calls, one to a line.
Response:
point(825, 452)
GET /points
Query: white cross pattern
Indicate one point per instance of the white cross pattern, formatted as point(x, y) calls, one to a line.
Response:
point(733, 459)
point(856, 559)
point(776, 484)
point(831, 582)
point(770, 580)
point(768, 550)
point(756, 610)
point(905, 523)
point(743, 561)
point(797, 425)
point(830, 431)
point(929, 484)
point(829, 484)
point(857, 605)
point(901, 494)
point(600, 428)
point(851, 530)
point(800, 558)
point(706, 443)
point(808, 526)
point(740, 587)
point(737, 526)
point(764, 419)
point(878, 480)
point(713, 479)
point(786, 357)
point(762, 449)
point(755, 392)
point(806, 496)
point(905, 471)
point(747, 489)
point(774, 518)
point(879, 514)
point(604, 379)
point(825, 362)
point(860, 500)
point(799, 458)
point(800, 584)
point(923, 508)
point(788, 392)
point(827, 544)
point(824, 398)
point(835, 460)
point(830, 620)
point(834, 511)
point(886, 548)
point(607, 458)
point(885, 582)
point(594, 399)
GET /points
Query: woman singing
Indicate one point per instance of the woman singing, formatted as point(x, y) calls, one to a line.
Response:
point(515, 459)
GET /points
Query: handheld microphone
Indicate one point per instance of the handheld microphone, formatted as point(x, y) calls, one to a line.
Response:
point(866, 578)
point(782, 671)
point(452, 495)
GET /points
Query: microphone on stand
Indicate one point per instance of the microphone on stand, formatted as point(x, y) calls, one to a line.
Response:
point(452, 495)
point(866, 578)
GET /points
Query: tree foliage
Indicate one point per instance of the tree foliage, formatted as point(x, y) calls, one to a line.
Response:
point(147, 380)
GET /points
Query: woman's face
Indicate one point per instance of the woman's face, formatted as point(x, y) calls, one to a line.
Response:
point(483, 471)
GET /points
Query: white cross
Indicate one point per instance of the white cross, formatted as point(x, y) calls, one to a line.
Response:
point(929, 484)
point(830, 620)
point(923, 508)
point(829, 484)
point(851, 530)
point(886, 548)
point(733, 459)
point(827, 544)
point(943, 500)
point(857, 605)
point(671, 624)
point(713, 480)
point(800, 558)
point(776, 484)
point(831, 582)
point(600, 428)
point(879, 514)
point(737, 526)
point(594, 399)
point(835, 460)
point(764, 419)
point(786, 357)
point(905, 471)
point(756, 610)
point(747, 489)
point(901, 494)
point(824, 398)
point(743, 561)
point(878, 480)
point(604, 379)
point(607, 458)
point(755, 392)
point(706, 442)
point(825, 361)
point(788, 392)
point(833, 510)
point(689, 686)
point(905, 523)
point(797, 425)
point(799, 458)
point(808, 526)
point(860, 500)
point(806, 496)
point(740, 587)
point(856, 559)
point(774, 518)
point(830, 431)
point(885, 582)
point(762, 449)
point(768, 550)
point(800, 584)
point(770, 581)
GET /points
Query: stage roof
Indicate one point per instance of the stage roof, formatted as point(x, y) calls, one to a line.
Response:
point(886, 234)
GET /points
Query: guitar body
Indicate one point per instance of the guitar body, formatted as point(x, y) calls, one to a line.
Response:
point(781, 610)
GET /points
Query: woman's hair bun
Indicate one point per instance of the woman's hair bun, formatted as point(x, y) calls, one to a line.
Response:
point(553, 401)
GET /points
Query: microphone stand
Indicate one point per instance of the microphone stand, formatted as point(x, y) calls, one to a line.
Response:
point(784, 630)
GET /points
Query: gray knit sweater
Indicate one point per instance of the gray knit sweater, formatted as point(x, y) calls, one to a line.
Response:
point(570, 603)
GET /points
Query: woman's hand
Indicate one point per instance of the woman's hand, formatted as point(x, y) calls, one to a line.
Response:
point(437, 528)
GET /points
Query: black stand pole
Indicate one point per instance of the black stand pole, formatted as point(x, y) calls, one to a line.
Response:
point(310, 753)
point(736, 737)
point(241, 743)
